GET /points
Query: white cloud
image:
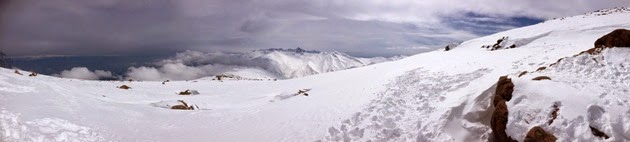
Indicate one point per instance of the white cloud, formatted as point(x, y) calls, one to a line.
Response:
point(85, 73)
point(177, 71)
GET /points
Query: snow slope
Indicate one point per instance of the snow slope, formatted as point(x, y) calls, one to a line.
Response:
point(434, 96)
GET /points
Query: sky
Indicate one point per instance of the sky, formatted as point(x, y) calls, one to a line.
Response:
point(358, 27)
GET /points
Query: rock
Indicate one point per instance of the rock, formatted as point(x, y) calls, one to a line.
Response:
point(124, 87)
point(447, 48)
point(17, 72)
point(498, 123)
point(33, 74)
point(617, 38)
point(541, 78)
point(187, 92)
point(541, 69)
point(598, 133)
point(554, 113)
point(303, 92)
point(522, 73)
point(183, 106)
point(537, 134)
point(504, 90)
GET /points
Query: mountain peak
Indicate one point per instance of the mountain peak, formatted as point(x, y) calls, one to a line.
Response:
point(290, 50)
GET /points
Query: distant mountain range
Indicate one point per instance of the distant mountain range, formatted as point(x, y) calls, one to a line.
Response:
point(277, 62)
point(273, 63)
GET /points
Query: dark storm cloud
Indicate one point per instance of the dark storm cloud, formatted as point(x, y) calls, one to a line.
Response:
point(360, 27)
point(481, 24)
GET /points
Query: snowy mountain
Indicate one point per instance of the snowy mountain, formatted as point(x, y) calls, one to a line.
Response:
point(276, 62)
point(575, 89)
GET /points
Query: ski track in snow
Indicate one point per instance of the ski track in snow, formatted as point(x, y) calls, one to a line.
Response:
point(403, 111)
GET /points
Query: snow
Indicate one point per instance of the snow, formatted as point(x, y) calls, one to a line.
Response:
point(433, 96)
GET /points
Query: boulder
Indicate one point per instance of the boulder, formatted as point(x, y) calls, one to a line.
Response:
point(183, 106)
point(616, 38)
point(537, 134)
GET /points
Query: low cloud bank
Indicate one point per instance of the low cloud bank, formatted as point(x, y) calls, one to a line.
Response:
point(177, 71)
point(190, 65)
point(85, 73)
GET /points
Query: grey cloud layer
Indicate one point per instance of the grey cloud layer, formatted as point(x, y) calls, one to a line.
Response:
point(360, 27)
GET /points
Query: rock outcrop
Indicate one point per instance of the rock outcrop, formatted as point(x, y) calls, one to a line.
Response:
point(505, 87)
point(616, 38)
point(499, 120)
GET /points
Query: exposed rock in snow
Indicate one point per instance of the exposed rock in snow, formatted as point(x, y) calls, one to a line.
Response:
point(537, 134)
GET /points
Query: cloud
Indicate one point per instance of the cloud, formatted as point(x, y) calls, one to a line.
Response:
point(190, 65)
point(85, 73)
point(359, 27)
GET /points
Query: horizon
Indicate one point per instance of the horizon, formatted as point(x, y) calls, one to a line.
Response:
point(47, 37)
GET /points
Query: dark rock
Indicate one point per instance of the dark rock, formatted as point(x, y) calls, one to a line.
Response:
point(187, 92)
point(542, 78)
point(513, 46)
point(537, 134)
point(554, 113)
point(541, 69)
point(498, 123)
point(183, 106)
point(558, 61)
point(124, 87)
point(598, 133)
point(617, 38)
point(504, 90)
point(522, 73)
